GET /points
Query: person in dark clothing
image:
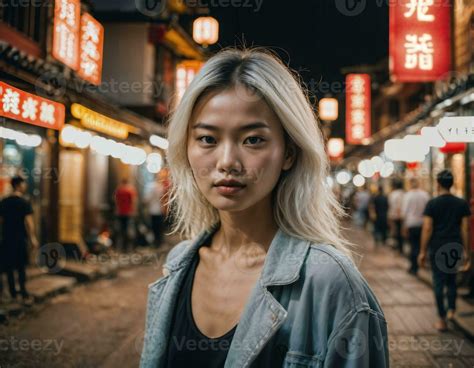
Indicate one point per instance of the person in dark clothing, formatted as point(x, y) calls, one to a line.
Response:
point(16, 215)
point(445, 241)
point(379, 211)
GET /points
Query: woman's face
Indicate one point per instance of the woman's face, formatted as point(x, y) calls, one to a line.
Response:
point(235, 136)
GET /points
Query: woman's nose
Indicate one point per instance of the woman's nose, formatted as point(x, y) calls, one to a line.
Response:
point(228, 158)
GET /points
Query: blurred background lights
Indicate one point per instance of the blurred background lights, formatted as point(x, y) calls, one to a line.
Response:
point(366, 168)
point(358, 180)
point(343, 177)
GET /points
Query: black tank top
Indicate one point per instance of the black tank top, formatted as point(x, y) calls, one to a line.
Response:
point(188, 347)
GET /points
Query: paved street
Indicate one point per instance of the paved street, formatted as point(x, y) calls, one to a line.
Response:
point(409, 307)
point(101, 324)
point(96, 325)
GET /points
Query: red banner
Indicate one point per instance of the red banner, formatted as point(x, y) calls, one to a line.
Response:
point(358, 111)
point(420, 41)
point(29, 108)
point(92, 42)
point(67, 18)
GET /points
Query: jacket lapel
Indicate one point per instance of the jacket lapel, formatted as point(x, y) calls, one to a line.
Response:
point(263, 315)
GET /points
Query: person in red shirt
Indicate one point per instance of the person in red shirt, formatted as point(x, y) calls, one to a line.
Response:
point(125, 199)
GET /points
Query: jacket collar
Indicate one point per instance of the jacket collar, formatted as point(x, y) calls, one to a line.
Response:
point(283, 261)
point(262, 315)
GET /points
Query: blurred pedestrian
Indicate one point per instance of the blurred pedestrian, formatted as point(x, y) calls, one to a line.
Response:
point(153, 200)
point(413, 206)
point(16, 215)
point(445, 241)
point(395, 200)
point(361, 204)
point(125, 203)
point(379, 208)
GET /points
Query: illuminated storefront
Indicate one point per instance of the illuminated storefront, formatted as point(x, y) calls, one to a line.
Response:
point(28, 123)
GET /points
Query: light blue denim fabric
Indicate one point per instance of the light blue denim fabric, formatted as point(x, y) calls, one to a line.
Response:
point(320, 308)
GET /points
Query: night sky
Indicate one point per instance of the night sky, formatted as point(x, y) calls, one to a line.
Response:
point(315, 36)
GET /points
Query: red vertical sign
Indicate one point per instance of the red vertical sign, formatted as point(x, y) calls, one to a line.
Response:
point(358, 110)
point(67, 17)
point(92, 41)
point(420, 40)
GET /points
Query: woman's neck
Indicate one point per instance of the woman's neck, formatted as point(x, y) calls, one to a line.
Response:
point(233, 236)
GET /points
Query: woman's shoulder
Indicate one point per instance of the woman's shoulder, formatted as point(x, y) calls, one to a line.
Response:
point(334, 274)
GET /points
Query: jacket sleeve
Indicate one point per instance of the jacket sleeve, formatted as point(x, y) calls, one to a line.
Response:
point(360, 342)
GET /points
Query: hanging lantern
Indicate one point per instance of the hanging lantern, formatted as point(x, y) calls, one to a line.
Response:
point(205, 30)
point(335, 148)
point(328, 109)
point(412, 165)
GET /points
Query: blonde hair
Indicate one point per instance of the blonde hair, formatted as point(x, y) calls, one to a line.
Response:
point(304, 205)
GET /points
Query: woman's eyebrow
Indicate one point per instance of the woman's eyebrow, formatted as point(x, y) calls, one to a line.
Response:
point(251, 126)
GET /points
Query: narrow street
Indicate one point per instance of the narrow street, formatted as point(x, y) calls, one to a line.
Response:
point(101, 324)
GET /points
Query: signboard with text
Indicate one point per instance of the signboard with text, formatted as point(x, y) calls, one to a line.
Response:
point(420, 44)
point(358, 110)
point(29, 108)
point(91, 48)
point(67, 19)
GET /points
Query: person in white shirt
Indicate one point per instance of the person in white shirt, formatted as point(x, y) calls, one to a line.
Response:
point(395, 200)
point(413, 207)
point(153, 198)
point(361, 204)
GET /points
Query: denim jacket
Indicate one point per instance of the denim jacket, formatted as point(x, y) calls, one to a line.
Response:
point(309, 297)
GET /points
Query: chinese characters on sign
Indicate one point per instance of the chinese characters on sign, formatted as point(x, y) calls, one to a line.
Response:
point(78, 40)
point(29, 108)
point(358, 119)
point(67, 15)
point(92, 40)
point(419, 40)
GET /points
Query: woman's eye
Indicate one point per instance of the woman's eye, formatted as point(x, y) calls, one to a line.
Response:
point(206, 139)
point(255, 140)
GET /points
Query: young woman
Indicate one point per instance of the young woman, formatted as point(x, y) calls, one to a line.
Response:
point(266, 280)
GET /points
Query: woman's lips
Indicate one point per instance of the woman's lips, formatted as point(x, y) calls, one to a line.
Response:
point(227, 190)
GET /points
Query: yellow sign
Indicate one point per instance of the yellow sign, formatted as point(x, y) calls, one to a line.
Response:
point(100, 123)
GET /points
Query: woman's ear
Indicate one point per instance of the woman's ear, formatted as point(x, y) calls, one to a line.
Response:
point(290, 156)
